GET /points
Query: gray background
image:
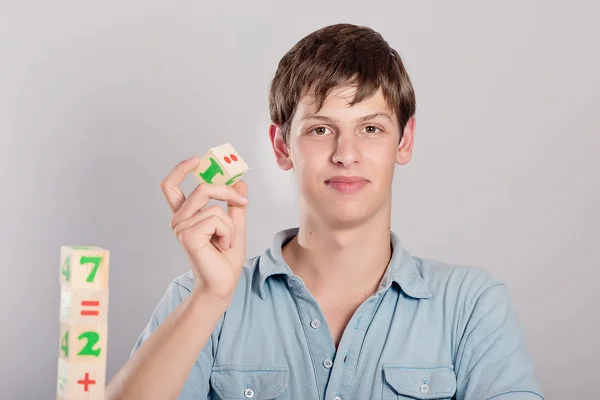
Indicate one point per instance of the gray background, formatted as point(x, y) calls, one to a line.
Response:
point(99, 101)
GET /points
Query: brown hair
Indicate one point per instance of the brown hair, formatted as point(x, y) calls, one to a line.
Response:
point(334, 56)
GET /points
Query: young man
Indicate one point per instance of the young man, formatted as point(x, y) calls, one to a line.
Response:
point(335, 309)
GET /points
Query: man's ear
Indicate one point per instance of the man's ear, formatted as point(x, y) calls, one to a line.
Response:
point(280, 147)
point(406, 144)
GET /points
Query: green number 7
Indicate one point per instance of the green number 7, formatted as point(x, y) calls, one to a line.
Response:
point(96, 261)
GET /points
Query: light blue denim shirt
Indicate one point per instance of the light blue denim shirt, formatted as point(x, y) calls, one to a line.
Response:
point(432, 331)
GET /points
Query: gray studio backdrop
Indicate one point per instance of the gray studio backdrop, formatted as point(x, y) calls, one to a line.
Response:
point(99, 101)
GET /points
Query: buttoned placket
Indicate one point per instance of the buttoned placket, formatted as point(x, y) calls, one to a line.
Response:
point(342, 374)
point(334, 369)
point(317, 334)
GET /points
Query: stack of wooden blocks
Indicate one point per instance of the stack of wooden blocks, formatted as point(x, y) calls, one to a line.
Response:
point(83, 322)
point(84, 295)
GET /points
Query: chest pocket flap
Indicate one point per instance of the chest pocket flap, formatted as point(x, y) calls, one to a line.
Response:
point(426, 381)
point(241, 383)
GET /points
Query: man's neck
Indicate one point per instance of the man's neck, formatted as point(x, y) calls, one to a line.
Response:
point(348, 262)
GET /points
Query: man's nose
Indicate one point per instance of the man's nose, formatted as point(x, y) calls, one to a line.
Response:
point(346, 149)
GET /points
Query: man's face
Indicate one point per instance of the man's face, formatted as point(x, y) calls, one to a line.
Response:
point(336, 142)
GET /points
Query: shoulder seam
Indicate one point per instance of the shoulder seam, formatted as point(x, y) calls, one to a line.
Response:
point(179, 284)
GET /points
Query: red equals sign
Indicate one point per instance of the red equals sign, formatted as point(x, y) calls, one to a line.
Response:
point(90, 303)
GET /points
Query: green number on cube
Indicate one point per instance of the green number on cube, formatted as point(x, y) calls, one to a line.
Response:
point(91, 338)
point(66, 269)
point(64, 344)
point(213, 170)
point(94, 260)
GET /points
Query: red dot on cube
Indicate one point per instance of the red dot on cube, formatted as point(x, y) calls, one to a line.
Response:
point(228, 160)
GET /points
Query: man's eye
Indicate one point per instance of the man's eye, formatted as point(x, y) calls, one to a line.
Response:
point(320, 129)
point(371, 126)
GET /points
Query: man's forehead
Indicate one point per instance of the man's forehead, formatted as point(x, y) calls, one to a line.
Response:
point(308, 103)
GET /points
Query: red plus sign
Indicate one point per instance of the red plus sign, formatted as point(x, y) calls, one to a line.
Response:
point(85, 382)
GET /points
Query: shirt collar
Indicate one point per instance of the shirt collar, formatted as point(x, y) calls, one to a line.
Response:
point(402, 268)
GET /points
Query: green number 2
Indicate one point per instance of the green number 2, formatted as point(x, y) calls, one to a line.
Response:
point(91, 338)
point(96, 261)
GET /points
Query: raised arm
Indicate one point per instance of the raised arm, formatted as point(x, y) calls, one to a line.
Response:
point(215, 244)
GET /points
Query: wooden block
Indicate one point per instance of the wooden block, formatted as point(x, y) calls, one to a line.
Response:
point(83, 344)
point(84, 267)
point(79, 381)
point(84, 307)
point(221, 164)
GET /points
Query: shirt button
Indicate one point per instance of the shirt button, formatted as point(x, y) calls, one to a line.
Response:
point(327, 363)
point(315, 323)
point(249, 393)
point(337, 398)
point(424, 388)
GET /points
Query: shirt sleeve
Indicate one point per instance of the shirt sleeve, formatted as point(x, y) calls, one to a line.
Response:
point(492, 361)
point(197, 384)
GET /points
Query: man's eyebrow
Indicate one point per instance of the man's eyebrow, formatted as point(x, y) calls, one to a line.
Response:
point(360, 119)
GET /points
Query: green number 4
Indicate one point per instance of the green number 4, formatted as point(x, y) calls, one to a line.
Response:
point(64, 344)
point(94, 260)
point(66, 269)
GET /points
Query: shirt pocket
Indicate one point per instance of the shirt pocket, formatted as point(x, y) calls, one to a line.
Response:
point(419, 381)
point(242, 383)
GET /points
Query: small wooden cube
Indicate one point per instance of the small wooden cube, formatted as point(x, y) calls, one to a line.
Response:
point(83, 344)
point(79, 381)
point(84, 307)
point(221, 164)
point(84, 267)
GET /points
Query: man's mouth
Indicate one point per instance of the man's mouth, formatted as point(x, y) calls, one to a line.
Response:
point(346, 184)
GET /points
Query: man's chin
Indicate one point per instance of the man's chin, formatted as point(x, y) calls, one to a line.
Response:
point(346, 217)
